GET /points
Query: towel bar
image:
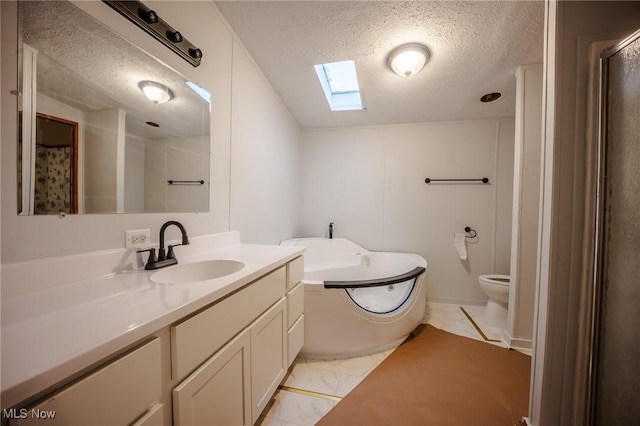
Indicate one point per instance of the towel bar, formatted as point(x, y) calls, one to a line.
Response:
point(483, 180)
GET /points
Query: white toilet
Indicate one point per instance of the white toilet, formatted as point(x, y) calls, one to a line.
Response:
point(497, 288)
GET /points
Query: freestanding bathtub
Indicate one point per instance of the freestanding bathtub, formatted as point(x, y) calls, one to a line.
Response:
point(358, 302)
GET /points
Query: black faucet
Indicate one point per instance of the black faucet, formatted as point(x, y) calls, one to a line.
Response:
point(169, 258)
point(330, 230)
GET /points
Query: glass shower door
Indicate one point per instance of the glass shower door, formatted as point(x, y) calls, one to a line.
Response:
point(615, 380)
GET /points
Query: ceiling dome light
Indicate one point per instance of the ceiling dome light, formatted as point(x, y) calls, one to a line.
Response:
point(408, 59)
point(156, 92)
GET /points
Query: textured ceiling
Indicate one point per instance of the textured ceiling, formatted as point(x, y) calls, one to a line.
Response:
point(475, 49)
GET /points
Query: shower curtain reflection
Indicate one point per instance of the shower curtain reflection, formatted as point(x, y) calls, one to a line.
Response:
point(55, 166)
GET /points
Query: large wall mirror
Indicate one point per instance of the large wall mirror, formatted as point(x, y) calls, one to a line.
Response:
point(104, 127)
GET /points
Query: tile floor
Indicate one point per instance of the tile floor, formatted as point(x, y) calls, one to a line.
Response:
point(313, 387)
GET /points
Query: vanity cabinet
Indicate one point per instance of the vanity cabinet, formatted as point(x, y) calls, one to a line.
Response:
point(233, 382)
point(118, 394)
point(234, 385)
point(220, 365)
point(197, 338)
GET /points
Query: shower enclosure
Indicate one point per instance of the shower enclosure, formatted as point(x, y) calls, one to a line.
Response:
point(615, 352)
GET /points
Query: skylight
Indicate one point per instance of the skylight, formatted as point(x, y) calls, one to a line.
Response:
point(340, 85)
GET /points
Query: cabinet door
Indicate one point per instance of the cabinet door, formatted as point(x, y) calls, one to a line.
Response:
point(268, 355)
point(217, 393)
point(153, 417)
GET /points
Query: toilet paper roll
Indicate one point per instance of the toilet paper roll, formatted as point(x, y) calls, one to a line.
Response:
point(460, 242)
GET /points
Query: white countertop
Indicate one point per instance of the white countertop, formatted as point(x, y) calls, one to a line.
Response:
point(51, 334)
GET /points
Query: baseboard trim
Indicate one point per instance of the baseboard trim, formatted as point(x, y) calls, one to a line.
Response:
point(456, 301)
point(521, 345)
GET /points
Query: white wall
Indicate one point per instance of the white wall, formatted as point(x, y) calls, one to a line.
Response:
point(255, 186)
point(184, 158)
point(134, 174)
point(369, 181)
point(104, 161)
point(187, 159)
point(265, 157)
point(155, 176)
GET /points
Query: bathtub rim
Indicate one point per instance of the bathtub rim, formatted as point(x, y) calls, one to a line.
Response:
point(377, 282)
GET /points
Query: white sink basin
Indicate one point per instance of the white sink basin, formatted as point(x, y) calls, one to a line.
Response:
point(197, 271)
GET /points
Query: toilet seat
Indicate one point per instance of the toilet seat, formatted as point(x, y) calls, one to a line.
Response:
point(496, 279)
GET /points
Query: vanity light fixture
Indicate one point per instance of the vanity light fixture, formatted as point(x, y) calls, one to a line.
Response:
point(149, 21)
point(156, 92)
point(408, 59)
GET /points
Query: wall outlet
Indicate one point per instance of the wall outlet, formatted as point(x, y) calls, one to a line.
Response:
point(137, 238)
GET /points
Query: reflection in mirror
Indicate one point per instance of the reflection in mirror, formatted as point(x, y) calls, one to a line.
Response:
point(104, 126)
point(56, 170)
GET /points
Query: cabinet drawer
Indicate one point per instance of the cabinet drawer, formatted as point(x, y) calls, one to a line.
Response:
point(295, 338)
point(197, 338)
point(114, 395)
point(295, 304)
point(295, 272)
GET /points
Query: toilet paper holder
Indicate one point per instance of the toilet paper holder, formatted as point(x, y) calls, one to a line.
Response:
point(470, 231)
